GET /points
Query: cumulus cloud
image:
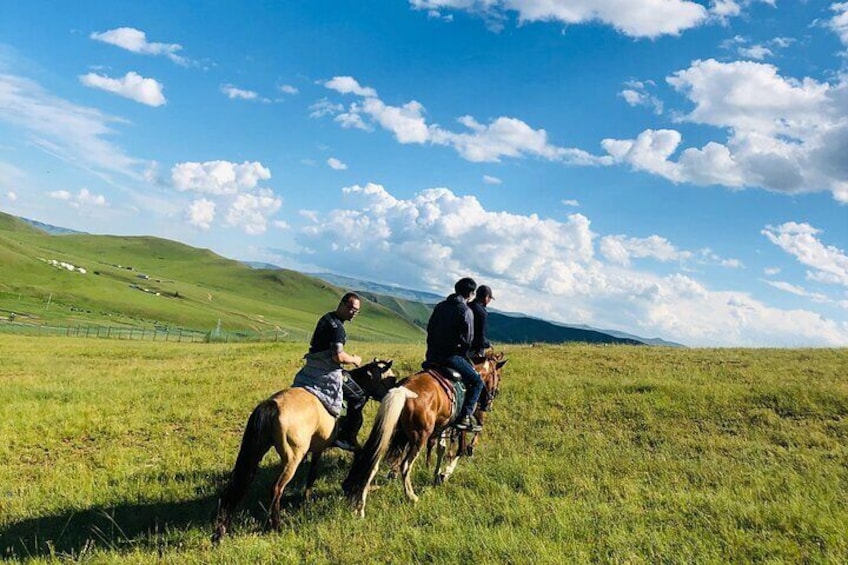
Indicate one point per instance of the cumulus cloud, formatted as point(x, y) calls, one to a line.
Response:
point(251, 212)
point(200, 213)
point(502, 137)
point(230, 187)
point(619, 249)
point(335, 164)
point(288, 89)
point(545, 267)
point(784, 134)
point(11, 196)
point(829, 264)
point(488, 179)
point(839, 22)
point(76, 134)
point(644, 19)
point(132, 85)
point(573, 203)
point(218, 177)
point(83, 198)
point(135, 40)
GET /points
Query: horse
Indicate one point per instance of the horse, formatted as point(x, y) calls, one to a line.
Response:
point(295, 423)
point(411, 416)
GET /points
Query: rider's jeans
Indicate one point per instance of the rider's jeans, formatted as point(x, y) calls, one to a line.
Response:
point(473, 382)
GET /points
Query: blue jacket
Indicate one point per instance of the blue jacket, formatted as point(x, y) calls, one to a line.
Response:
point(450, 330)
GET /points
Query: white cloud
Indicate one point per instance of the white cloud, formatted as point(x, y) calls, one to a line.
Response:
point(218, 177)
point(646, 18)
point(349, 85)
point(491, 180)
point(201, 213)
point(324, 108)
point(75, 134)
point(132, 85)
point(620, 249)
point(83, 198)
point(799, 291)
point(758, 52)
point(288, 89)
point(335, 164)
point(829, 263)
point(771, 271)
point(839, 22)
point(636, 94)
point(544, 267)
point(502, 137)
point(11, 196)
point(234, 93)
point(135, 40)
point(573, 203)
point(784, 134)
point(60, 195)
point(251, 212)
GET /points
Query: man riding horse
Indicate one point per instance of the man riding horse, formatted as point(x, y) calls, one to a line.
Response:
point(450, 333)
point(324, 376)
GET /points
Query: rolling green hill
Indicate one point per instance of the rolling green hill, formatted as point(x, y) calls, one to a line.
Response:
point(148, 281)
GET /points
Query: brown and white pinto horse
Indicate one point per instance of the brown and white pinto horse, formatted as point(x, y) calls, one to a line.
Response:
point(409, 417)
point(295, 423)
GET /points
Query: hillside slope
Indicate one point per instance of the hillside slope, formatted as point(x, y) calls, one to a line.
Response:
point(152, 281)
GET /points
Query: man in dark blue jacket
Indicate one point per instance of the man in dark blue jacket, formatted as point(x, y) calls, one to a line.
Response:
point(481, 320)
point(450, 333)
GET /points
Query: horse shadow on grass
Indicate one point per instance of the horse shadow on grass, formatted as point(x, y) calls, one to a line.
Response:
point(155, 525)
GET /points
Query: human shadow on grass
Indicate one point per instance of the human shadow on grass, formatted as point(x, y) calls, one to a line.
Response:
point(155, 525)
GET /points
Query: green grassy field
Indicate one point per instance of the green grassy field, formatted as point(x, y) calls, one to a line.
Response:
point(115, 451)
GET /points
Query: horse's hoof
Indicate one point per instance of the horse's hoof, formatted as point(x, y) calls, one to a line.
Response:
point(440, 479)
point(220, 532)
point(469, 451)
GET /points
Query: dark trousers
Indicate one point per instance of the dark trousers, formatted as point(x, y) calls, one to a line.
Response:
point(473, 383)
point(349, 424)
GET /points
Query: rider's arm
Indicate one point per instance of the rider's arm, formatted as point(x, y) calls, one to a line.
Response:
point(342, 357)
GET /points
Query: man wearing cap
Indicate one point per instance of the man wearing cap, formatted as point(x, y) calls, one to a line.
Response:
point(481, 320)
point(450, 332)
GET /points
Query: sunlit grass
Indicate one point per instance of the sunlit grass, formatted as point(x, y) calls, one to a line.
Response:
point(115, 451)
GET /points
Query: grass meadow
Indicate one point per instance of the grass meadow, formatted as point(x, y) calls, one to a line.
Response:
point(113, 452)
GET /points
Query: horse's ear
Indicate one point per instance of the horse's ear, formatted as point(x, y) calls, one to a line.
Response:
point(375, 360)
point(388, 363)
point(500, 364)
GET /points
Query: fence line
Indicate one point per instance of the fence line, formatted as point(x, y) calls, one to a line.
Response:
point(182, 335)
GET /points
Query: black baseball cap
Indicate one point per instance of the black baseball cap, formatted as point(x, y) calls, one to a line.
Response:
point(484, 291)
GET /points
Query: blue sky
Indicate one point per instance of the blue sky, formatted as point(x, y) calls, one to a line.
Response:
point(669, 168)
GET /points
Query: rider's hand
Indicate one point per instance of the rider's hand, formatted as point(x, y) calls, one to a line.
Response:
point(356, 360)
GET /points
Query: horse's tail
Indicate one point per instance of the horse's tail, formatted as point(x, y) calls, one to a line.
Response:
point(368, 458)
point(255, 443)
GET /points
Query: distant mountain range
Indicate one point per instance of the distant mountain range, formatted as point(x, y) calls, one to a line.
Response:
point(52, 230)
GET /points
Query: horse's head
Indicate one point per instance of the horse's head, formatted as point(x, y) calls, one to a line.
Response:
point(489, 368)
point(375, 378)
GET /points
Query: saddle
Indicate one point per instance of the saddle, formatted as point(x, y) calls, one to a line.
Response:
point(451, 383)
point(446, 372)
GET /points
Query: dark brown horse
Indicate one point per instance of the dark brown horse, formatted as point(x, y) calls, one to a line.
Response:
point(295, 423)
point(409, 417)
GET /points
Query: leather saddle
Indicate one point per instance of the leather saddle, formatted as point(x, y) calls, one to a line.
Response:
point(446, 372)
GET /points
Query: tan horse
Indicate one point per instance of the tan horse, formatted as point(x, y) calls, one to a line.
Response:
point(409, 416)
point(295, 423)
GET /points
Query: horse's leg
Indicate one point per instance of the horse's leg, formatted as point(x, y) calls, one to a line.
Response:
point(290, 459)
point(313, 474)
point(451, 467)
point(441, 449)
point(416, 444)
